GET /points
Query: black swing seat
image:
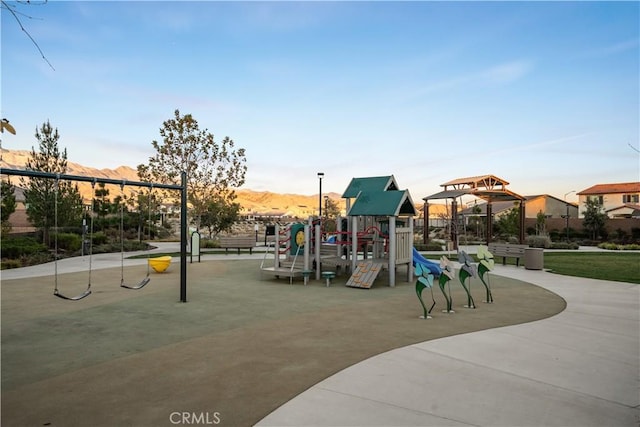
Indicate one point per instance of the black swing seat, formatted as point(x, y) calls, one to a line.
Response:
point(76, 298)
point(140, 285)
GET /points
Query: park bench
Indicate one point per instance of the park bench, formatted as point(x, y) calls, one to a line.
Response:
point(238, 242)
point(507, 250)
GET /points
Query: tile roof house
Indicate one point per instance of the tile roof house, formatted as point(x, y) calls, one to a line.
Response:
point(619, 200)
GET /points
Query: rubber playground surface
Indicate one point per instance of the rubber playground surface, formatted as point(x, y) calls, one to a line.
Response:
point(237, 350)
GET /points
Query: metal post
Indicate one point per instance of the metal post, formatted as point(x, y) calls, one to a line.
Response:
point(320, 175)
point(183, 239)
point(567, 216)
point(425, 226)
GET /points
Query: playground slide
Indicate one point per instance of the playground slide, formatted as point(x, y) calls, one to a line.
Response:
point(432, 266)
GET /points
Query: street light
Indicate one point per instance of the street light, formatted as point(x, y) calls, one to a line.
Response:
point(567, 215)
point(320, 176)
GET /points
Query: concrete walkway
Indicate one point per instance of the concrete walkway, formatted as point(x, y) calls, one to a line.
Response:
point(111, 260)
point(579, 368)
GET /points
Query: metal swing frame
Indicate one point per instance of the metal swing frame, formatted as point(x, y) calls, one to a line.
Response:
point(182, 187)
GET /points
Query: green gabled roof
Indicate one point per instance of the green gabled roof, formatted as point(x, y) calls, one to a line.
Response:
point(383, 203)
point(374, 183)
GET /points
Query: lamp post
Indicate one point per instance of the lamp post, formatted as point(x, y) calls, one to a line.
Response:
point(567, 215)
point(320, 176)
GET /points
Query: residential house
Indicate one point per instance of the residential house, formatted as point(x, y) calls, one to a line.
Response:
point(551, 206)
point(619, 200)
point(18, 219)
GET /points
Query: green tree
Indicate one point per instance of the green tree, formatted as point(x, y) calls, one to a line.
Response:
point(101, 202)
point(331, 212)
point(508, 223)
point(214, 170)
point(7, 192)
point(139, 213)
point(541, 220)
point(594, 218)
point(219, 216)
point(475, 221)
point(40, 193)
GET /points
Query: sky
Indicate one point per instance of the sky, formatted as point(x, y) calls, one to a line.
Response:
point(544, 95)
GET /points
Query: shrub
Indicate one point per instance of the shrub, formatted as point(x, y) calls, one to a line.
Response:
point(556, 235)
point(15, 248)
point(539, 241)
point(69, 242)
point(564, 245)
point(209, 243)
point(10, 263)
point(430, 246)
point(616, 247)
point(36, 258)
point(100, 238)
point(609, 246)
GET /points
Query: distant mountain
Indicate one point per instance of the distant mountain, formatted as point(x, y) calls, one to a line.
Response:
point(257, 202)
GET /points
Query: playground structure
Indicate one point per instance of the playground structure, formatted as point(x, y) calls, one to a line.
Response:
point(377, 234)
point(183, 222)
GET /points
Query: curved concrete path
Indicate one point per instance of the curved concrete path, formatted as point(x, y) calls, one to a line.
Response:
point(579, 368)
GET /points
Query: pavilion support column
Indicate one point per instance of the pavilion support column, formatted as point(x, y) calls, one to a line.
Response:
point(489, 225)
point(410, 264)
point(454, 224)
point(521, 213)
point(425, 227)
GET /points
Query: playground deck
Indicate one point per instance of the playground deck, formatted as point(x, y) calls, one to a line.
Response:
point(282, 272)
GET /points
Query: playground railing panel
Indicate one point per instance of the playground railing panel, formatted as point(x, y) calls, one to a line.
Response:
point(238, 242)
point(507, 250)
point(404, 245)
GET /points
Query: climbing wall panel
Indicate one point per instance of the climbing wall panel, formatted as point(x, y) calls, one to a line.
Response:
point(364, 274)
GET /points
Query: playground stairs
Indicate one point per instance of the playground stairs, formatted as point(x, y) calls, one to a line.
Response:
point(329, 258)
point(365, 274)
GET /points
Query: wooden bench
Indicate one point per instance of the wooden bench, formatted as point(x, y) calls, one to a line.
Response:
point(238, 242)
point(507, 250)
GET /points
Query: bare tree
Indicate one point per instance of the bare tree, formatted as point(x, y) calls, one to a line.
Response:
point(214, 170)
point(13, 9)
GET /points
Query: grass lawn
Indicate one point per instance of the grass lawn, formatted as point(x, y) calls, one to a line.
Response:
point(617, 266)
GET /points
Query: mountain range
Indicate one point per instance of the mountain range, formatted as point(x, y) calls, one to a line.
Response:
point(256, 202)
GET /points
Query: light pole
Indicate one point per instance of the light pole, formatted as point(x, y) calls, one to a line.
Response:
point(567, 215)
point(320, 176)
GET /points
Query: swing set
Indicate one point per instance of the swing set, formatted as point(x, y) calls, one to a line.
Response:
point(93, 180)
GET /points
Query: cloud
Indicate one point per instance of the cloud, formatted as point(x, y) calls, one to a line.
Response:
point(500, 74)
point(612, 49)
point(506, 73)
